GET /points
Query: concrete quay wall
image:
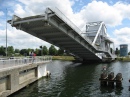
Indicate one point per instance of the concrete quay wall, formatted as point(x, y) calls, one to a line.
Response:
point(14, 78)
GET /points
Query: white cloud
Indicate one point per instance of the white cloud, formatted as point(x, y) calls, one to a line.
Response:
point(19, 10)
point(124, 9)
point(1, 13)
point(20, 39)
point(123, 32)
point(101, 11)
point(9, 13)
point(33, 7)
point(112, 15)
point(122, 36)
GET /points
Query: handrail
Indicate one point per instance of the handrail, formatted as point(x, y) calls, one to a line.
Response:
point(25, 60)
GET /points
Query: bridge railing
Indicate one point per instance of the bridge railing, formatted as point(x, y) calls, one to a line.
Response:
point(24, 60)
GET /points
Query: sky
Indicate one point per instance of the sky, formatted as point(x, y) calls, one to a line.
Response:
point(114, 13)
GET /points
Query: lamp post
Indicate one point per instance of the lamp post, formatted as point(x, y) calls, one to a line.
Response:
point(6, 34)
point(6, 49)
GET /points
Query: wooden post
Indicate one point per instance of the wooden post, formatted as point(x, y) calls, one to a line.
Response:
point(129, 86)
point(111, 79)
point(119, 80)
point(102, 77)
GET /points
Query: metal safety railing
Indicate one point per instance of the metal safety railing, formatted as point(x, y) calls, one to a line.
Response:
point(24, 60)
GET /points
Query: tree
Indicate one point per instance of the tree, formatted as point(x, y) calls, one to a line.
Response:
point(23, 51)
point(17, 51)
point(29, 50)
point(10, 50)
point(37, 51)
point(117, 52)
point(52, 50)
point(60, 51)
point(45, 50)
point(2, 51)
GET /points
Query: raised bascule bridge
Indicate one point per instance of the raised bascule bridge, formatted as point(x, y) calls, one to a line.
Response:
point(54, 27)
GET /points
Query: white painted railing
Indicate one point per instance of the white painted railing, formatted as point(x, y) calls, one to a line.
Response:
point(24, 60)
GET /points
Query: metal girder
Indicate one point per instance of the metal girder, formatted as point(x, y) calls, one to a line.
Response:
point(52, 34)
point(39, 28)
point(30, 20)
point(77, 46)
point(83, 53)
point(75, 49)
point(78, 51)
point(59, 38)
point(97, 34)
point(62, 24)
point(66, 42)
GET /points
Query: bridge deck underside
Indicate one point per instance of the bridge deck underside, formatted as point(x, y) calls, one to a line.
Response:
point(47, 31)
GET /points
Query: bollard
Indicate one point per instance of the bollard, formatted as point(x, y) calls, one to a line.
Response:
point(119, 80)
point(48, 74)
point(103, 76)
point(129, 86)
point(111, 79)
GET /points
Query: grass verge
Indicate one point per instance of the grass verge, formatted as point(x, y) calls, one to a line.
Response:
point(66, 58)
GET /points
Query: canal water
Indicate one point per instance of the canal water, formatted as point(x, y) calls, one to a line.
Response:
point(70, 79)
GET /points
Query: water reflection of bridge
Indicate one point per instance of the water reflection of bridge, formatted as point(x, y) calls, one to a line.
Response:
point(55, 28)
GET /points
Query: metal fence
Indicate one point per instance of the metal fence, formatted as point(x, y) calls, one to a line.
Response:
point(24, 60)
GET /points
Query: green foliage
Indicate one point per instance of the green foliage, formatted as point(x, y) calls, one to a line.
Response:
point(2, 51)
point(60, 51)
point(45, 50)
point(37, 51)
point(52, 50)
point(29, 50)
point(67, 58)
point(10, 50)
point(17, 51)
point(23, 51)
point(117, 52)
point(124, 59)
